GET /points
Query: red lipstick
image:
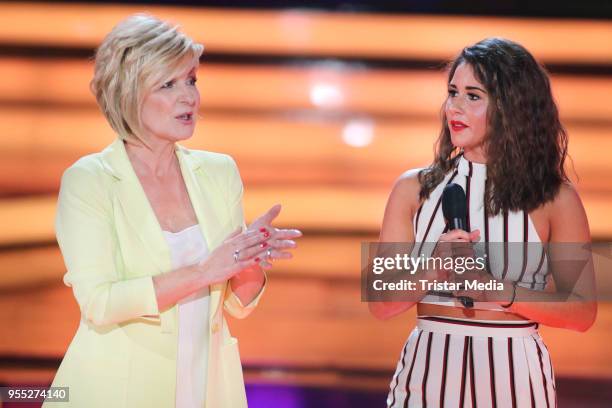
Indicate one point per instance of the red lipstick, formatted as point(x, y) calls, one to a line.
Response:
point(457, 125)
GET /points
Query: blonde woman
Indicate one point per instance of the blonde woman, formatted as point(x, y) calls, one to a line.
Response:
point(153, 238)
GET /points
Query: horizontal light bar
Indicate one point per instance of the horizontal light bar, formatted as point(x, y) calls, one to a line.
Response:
point(38, 144)
point(313, 33)
point(270, 88)
point(329, 209)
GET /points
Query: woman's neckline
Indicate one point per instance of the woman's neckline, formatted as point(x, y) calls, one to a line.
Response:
point(469, 168)
point(181, 231)
point(472, 161)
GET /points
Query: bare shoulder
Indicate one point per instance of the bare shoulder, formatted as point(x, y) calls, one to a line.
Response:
point(406, 188)
point(568, 219)
point(567, 198)
point(567, 203)
point(401, 207)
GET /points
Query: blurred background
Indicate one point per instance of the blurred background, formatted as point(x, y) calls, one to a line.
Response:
point(323, 104)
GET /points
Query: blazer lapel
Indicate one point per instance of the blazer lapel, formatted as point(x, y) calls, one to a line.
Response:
point(204, 194)
point(136, 206)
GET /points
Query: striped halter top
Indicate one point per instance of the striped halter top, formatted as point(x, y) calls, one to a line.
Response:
point(522, 261)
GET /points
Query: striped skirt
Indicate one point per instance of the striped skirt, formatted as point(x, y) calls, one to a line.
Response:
point(457, 363)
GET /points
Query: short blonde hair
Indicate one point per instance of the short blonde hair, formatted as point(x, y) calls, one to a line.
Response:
point(134, 57)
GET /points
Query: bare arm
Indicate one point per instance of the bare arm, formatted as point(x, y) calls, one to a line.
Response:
point(220, 266)
point(248, 283)
point(398, 226)
point(568, 228)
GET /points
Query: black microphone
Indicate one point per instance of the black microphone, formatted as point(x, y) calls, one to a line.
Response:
point(454, 208)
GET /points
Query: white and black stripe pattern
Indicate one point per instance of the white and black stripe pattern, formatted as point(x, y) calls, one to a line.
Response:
point(525, 264)
point(455, 363)
point(434, 217)
point(400, 368)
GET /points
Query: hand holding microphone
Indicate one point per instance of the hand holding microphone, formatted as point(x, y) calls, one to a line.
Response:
point(454, 208)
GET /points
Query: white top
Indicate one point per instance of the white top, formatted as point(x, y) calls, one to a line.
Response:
point(525, 264)
point(188, 247)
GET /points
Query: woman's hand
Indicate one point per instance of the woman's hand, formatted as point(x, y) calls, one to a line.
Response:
point(454, 244)
point(238, 251)
point(458, 235)
point(279, 242)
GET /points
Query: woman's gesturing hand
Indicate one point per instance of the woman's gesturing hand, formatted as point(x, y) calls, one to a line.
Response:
point(280, 241)
point(239, 251)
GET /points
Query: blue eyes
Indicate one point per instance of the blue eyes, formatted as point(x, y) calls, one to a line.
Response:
point(170, 84)
point(471, 96)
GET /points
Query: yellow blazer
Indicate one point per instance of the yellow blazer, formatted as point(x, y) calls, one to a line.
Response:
point(124, 351)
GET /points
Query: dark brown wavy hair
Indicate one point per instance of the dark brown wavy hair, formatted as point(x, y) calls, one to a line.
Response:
point(525, 143)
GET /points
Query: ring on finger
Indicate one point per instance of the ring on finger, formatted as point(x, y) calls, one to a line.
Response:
point(236, 255)
point(269, 254)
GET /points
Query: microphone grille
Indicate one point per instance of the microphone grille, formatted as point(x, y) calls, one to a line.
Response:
point(454, 202)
